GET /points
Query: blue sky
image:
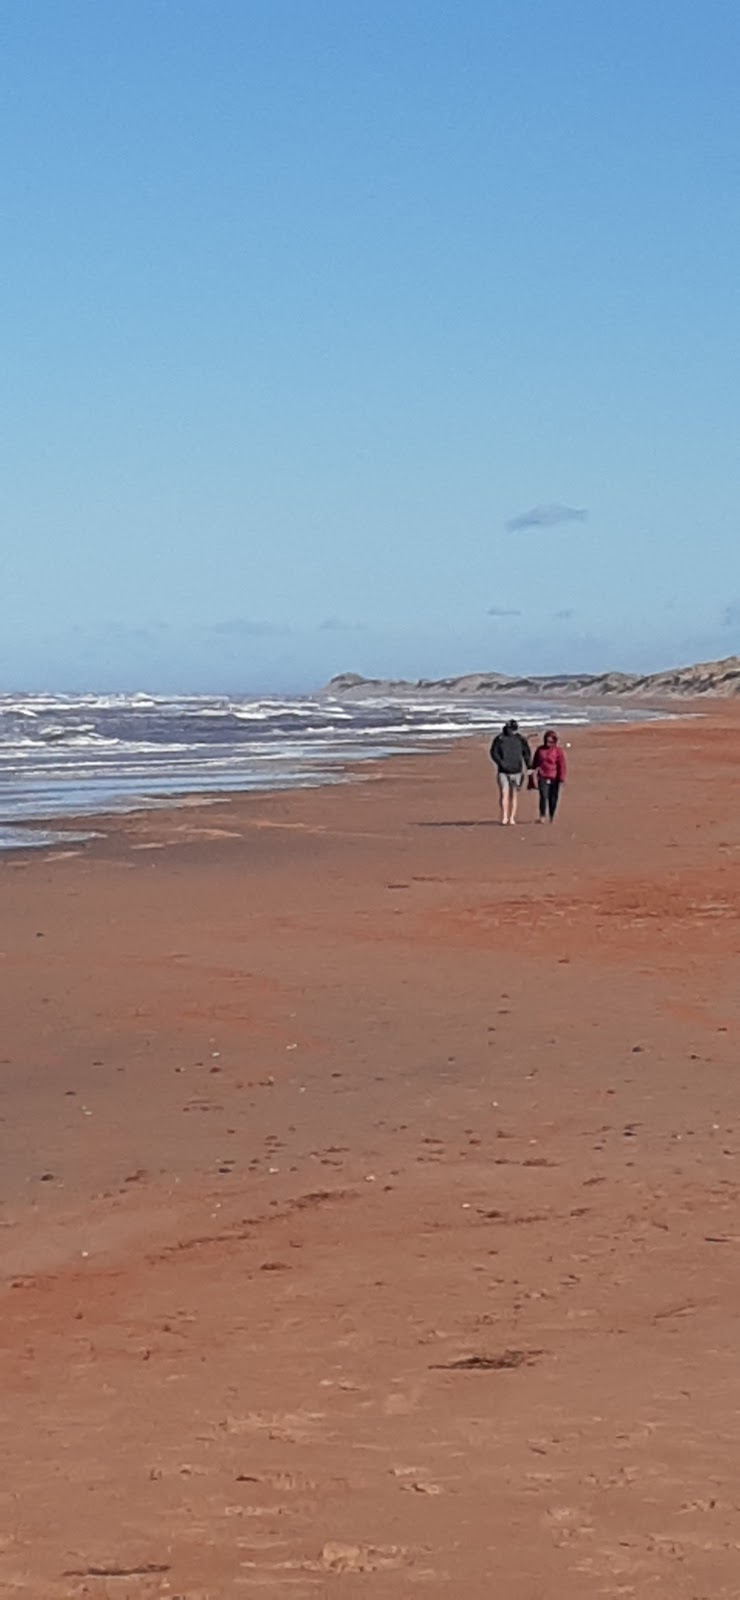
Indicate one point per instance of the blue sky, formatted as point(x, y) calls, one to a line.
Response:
point(308, 304)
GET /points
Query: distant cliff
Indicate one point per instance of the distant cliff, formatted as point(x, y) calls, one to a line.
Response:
point(705, 678)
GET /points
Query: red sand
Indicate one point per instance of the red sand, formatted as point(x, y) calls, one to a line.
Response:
point(308, 1099)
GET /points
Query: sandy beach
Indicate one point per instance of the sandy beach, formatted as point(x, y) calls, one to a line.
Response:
point(370, 1189)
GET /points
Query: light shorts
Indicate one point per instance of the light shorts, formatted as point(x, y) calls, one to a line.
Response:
point(510, 781)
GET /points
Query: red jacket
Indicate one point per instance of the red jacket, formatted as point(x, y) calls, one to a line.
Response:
point(549, 762)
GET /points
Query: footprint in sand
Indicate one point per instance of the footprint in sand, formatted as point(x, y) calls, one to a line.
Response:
point(299, 1427)
point(415, 1480)
point(283, 1482)
point(400, 1405)
point(336, 1557)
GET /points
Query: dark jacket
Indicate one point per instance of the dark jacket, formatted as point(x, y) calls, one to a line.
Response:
point(510, 752)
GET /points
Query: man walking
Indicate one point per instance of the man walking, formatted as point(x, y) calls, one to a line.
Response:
point(511, 756)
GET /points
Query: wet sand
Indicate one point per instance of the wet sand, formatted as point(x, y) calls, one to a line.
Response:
point(370, 1189)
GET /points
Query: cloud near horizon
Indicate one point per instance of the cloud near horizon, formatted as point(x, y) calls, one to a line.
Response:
point(546, 516)
point(247, 628)
point(338, 625)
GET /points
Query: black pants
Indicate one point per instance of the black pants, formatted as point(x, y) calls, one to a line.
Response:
point(549, 795)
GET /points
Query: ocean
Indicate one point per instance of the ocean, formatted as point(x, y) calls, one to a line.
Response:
point(78, 755)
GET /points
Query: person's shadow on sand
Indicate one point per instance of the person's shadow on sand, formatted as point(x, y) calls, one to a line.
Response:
point(488, 822)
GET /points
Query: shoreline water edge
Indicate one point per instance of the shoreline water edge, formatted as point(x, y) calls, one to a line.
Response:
point(68, 756)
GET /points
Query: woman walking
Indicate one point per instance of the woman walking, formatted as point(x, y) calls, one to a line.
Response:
point(550, 767)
